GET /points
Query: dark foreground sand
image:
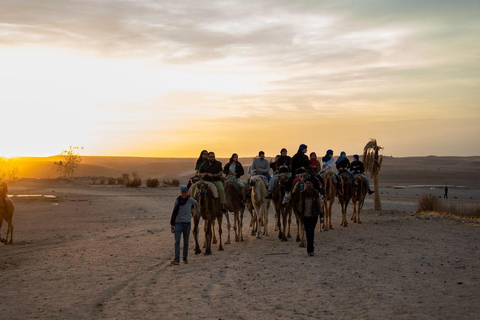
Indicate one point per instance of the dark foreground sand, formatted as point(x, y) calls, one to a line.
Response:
point(104, 252)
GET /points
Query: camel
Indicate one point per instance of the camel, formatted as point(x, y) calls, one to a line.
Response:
point(259, 192)
point(359, 197)
point(209, 210)
point(282, 212)
point(347, 189)
point(233, 194)
point(7, 215)
point(330, 194)
point(297, 209)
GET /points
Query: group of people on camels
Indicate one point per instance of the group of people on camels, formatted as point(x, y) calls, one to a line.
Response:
point(211, 170)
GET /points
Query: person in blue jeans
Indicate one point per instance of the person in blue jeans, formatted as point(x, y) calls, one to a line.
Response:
point(180, 222)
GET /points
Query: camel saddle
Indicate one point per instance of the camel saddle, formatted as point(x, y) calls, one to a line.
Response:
point(211, 187)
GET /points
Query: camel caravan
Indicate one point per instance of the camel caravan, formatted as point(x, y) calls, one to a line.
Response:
point(304, 186)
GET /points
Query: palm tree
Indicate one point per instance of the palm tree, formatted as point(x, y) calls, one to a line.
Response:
point(373, 162)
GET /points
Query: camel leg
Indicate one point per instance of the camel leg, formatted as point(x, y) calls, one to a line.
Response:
point(214, 239)
point(289, 235)
point(1, 223)
point(240, 225)
point(360, 206)
point(229, 226)
point(284, 226)
point(220, 218)
point(11, 233)
point(265, 221)
point(353, 213)
point(205, 227)
point(330, 215)
point(259, 214)
point(196, 221)
point(278, 225)
point(235, 225)
point(208, 238)
point(299, 225)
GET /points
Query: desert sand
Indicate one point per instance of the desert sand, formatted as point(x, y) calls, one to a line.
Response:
point(100, 251)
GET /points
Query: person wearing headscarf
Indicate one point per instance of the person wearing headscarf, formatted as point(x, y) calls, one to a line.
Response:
point(357, 168)
point(314, 163)
point(328, 161)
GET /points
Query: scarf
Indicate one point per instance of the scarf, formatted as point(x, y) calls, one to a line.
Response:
point(326, 158)
point(180, 202)
point(340, 159)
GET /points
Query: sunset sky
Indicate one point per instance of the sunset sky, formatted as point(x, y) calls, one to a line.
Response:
point(170, 78)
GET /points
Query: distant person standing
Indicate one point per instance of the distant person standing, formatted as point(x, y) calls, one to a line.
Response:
point(180, 222)
point(445, 195)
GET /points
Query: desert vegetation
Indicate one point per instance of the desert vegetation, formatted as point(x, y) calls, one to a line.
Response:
point(431, 203)
point(8, 170)
point(70, 160)
point(171, 183)
point(153, 183)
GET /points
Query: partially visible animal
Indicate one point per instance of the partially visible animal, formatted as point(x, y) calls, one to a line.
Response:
point(358, 197)
point(297, 209)
point(233, 194)
point(282, 213)
point(6, 213)
point(345, 195)
point(260, 205)
point(329, 199)
point(209, 210)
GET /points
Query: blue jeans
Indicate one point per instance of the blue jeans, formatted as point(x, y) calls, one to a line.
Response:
point(182, 227)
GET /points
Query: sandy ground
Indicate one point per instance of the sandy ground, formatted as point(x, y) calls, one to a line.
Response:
point(104, 252)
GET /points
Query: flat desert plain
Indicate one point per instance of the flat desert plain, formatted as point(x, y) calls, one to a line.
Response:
point(104, 252)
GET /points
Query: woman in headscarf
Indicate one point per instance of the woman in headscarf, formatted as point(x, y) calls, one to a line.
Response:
point(233, 171)
point(314, 163)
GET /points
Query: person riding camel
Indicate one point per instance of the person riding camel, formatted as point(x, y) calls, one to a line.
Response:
point(261, 166)
point(201, 159)
point(343, 165)
point(299, 164)
point(314, 163)
point(357, 168)
point(282, 165)
point(233, 170)
point(211, 171)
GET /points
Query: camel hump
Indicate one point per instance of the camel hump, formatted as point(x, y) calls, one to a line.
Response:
point(234, 185)
point(258, 178)
point(213, 189)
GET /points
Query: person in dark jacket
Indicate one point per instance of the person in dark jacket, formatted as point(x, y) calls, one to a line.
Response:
point(299, 164)
point(357, 168)
point(180, 222)
point(212, 171)
point(282, 165)
point(311, 209)
point(233, 170)
point(343, 165)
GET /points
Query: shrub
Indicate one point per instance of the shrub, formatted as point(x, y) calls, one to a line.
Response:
point(120, 180)
point(135, 183)
point(102, 181)
point(175, 183)
point(94, 181)
point(429, 203)
point(112, 181)
point(153, 183)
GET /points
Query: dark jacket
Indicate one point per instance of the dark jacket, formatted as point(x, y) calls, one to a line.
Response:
point(357, 167)
point(317, 209)
point(214, 168)
point(283, 161)
point(343, 165)
point(299, 160)
point(238, 169)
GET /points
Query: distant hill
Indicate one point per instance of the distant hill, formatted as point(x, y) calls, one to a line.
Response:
point(463, 171)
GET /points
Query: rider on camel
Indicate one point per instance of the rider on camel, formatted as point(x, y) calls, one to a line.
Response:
point(300, 164)
point(358, 168)
point(282, 165)
point(233, 170)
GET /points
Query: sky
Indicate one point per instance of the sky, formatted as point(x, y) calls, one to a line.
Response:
point(170, 78)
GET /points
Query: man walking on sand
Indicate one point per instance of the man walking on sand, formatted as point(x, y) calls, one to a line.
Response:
point(311, 209)
point(181, 223)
